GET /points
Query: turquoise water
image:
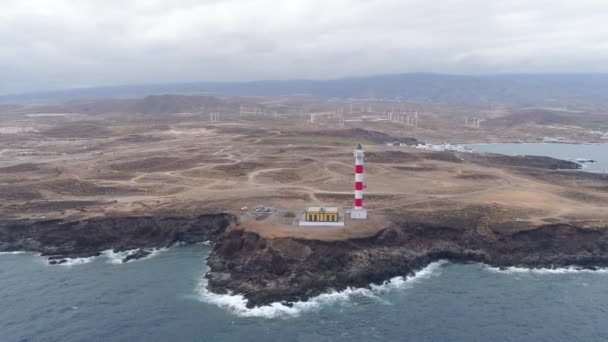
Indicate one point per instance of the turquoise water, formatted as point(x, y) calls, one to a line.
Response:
point(597, 152)
point(161, 298)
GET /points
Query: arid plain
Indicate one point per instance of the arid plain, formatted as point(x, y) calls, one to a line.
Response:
point(78, 165)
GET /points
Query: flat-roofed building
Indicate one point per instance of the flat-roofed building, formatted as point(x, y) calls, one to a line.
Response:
point(321, 214)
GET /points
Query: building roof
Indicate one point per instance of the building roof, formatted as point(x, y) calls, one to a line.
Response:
point(324, 209)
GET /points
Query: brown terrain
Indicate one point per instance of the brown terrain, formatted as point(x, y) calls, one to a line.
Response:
point(69, 174)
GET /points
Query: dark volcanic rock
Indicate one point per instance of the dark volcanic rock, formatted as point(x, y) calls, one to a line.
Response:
point(404, 157)
point(539, 162)
point(57, 261)
point(286, 269)
point(140, 253)
point(89, 237)
point(372, 136)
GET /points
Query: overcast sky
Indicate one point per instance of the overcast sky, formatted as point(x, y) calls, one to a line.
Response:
point(47, 44)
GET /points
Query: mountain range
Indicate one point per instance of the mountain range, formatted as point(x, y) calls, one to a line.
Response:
point(503, 89)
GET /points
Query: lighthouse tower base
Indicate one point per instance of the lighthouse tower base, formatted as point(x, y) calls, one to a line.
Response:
point(358, 214)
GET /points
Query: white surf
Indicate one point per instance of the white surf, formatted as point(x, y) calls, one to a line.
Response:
point(111, 256)
point(117, 257)
point(74, 261)
point(237, 304)
point(559, 270)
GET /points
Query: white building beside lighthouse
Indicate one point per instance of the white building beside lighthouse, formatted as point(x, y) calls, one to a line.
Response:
point(358, 212)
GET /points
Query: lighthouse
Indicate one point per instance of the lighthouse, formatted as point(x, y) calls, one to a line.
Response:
point(358, 212)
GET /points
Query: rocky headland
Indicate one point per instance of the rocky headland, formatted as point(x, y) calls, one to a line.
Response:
point(267, 270)
point(288, 270)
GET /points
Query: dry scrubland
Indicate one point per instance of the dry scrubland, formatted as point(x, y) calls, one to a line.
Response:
point(95, 164)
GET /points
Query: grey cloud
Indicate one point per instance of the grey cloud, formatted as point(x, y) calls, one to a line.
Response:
point(73, 43)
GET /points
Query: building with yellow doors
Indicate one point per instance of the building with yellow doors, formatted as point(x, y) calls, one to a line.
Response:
point(321, 214)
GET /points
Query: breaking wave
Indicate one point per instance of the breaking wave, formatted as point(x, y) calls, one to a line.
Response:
point(560, 270)
point(14, 252)
point(111, 256)
point(75, 261)
point(117, 257)
point(237, 304)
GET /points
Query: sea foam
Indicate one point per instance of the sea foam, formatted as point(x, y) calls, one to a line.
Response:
point(117, 257)
point(12, 253)
point(560, 270)
point(75, 261)
point(111, 256)
point(237, 304)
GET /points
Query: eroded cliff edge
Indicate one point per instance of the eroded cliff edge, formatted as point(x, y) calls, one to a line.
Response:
point(84, 238)
point(287, 269)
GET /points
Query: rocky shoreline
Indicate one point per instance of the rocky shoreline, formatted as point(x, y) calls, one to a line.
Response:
point(286, 270)
point(289, 270)
point(59, 240)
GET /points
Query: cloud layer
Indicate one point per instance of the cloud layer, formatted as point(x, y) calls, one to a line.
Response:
point(76, 43)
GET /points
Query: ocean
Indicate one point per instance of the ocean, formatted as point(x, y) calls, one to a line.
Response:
point(163, 298)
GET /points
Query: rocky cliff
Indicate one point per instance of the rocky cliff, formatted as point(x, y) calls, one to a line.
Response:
point(286, 269)
point(289, 269)
point(61, 239)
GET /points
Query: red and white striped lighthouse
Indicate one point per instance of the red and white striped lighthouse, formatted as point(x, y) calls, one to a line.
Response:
point(359, 212)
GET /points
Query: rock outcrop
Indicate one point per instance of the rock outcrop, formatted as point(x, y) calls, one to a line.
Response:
point(138, 254)
point(538, 162)
point(289, 269)
point(70, 239)
point(286, 269)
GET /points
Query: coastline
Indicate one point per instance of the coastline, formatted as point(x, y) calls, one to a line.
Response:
point(131, 237)
point(266, 271)
point(236, 303)
point(286, 271)
point(589, 155)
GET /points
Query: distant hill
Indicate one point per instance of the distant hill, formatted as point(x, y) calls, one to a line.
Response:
point(538, 117)
point(150, 105)
point(508, 89)
point(548, 117)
